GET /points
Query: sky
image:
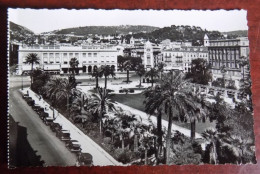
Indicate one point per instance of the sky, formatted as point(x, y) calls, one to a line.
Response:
point(45, 20)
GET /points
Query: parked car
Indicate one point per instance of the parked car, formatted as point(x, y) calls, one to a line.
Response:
point(48, 120)
point(56, 127)
point(63, 135)
point(44, 115)
point(85, 159)
point(25, 95)
point(73, 146)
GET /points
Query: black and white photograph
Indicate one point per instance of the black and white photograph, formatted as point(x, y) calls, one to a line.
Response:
point(129, 87)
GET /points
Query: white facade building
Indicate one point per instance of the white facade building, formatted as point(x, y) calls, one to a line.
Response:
point(56, 58)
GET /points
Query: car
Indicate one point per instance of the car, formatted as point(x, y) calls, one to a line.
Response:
point(85, 159)
point(63, 135)
point(73, 146)
point(44, 115)
point(25, 95)
point(36, 107)
point(48, 120)
point(55, 127)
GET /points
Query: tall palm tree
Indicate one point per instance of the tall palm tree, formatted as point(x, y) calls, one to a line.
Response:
point(152, 73)
point(101, 104)
point(174, 97)
point(127, 67)
point(211, 135)
point(153, 106)
point(65, 92)
point(107, 71)
point(97, 73)
point(140, 71)
point(32, 58)
point(51, 90)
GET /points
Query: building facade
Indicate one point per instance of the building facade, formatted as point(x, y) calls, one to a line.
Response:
point(225, 57)
point(181, 58)
point(56, 58)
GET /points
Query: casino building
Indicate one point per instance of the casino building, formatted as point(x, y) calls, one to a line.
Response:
point(56, 58)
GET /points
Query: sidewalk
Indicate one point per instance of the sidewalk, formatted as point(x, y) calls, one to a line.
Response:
point(100, 156)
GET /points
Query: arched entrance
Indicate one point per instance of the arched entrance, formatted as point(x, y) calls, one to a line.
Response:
point(84, 69)
point(89, 69)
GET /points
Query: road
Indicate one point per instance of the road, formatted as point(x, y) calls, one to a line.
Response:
point(40, 137)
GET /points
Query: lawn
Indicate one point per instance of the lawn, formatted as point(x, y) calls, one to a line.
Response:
point(136, 101)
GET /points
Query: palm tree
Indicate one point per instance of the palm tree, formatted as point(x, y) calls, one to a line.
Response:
point(153, 106)
point(127, 66)
point(174, 98)
point(74, 65)
point(140, 71)
point(32, 58)
point(160, 67)
point(152, 73)
point(101, 104)
point(65, 92)
point(211, 135)
point(107, 71)
point(97, 73)
point(51, 90)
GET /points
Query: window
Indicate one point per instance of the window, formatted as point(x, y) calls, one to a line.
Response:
point(71, 55)
point(65, 62)
point(77, 55)
point(95, 54)
point(89, 54)
point(89, 61)
point(84, 55)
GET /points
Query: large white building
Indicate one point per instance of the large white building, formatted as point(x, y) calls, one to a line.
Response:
point(56, 58)
point(181, 58)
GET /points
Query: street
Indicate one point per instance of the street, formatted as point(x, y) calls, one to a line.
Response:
point(40, 137)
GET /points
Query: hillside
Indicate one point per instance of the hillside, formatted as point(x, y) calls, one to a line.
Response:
point(237, 33)
point(179, 33)
point(19, 33)
point(105, 30)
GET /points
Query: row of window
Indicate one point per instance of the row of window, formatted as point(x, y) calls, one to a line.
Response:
point(227, 43)
point(71, 55)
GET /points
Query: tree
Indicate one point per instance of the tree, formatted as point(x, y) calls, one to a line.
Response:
point(101, 104)
point(174, 98)
point(97, 73)
point(152, 73)
point(223, 71)
point(32, 58)
point(74, 65)
point(127, 67)
point(160, 67)
point(140, 71)
point(153, 106)
point(107, 71)
point(200, 72)
point(211, 135)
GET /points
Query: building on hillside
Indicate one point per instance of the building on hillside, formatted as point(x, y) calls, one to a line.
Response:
point(56, 58)
point(227, 54)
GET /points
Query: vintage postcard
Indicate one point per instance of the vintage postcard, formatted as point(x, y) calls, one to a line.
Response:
point(129, 87)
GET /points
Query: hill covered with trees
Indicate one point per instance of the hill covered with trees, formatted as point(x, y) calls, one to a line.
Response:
point(106, 30)
point(179, 33)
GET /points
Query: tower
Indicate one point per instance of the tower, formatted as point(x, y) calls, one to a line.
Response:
point(148, 60)
point(206, 40)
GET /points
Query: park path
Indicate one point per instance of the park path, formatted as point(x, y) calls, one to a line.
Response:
point(100, 156)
